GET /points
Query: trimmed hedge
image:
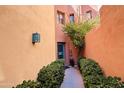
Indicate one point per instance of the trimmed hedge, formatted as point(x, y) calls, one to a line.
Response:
point(29, 84)
point(50, 76)
point(94, 76)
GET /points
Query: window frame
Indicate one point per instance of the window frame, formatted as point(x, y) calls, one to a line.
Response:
point(89, 12)
point(60, 20)
point(72, 15)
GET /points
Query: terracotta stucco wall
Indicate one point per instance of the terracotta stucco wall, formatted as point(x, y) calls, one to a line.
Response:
point(19, 58)
point(60, 36)
point(105, 44)
point(86, 8)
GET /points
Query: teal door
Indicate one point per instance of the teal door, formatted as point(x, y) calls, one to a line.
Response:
point(61, 50)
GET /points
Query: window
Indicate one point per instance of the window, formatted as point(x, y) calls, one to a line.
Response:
point(89, 14)
point(60, 17)
point(71, 18)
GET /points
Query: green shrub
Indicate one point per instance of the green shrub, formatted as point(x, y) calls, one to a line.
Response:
point(113, 82)
point(93, 81)
point(52, 75)
point(94, 76)
point(89, 67)
point(29, 84)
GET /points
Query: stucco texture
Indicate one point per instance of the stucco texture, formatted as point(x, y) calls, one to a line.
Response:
point(105, 44)
point(86, 8)
point(60, 36)
point(19, 58)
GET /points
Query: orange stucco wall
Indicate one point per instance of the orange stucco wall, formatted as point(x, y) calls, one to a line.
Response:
point(19, 58)
point(105, 44)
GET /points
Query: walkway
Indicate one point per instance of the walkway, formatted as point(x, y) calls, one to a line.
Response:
point(72, 79)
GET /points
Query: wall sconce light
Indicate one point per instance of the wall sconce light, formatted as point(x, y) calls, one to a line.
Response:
point(35, 38)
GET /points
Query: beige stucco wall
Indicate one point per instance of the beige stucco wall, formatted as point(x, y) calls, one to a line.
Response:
point(19, 58)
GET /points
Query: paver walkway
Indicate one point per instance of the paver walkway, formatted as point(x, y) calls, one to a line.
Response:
point(72, 79)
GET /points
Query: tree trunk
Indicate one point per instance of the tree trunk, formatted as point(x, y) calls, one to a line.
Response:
point(79, 52)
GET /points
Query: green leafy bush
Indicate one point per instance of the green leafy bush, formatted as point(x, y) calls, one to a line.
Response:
point(94, 76)
point(29, 84)
point(89, 67)
point(50, 76)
